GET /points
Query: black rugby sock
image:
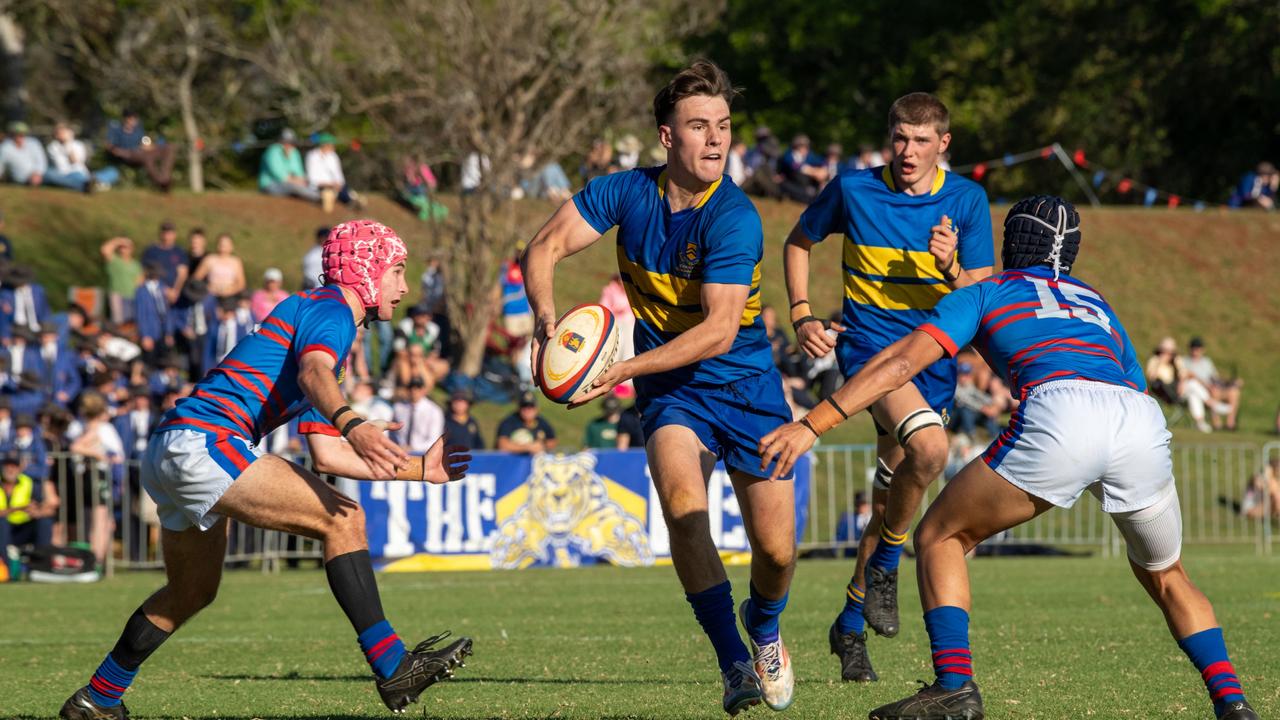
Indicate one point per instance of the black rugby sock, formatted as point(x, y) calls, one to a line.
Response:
point(351, 580)
point(140, 638)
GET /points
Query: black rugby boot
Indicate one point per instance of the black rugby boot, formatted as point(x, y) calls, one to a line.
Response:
point(81, 706)
point(421, 668)
point(880, 606)
point(934, 703)
point(1238, 711)
point(851, 648)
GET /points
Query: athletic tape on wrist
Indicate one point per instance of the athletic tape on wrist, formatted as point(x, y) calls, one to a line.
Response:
point(915, 422)
point(416, 469)
point(800, 309)
point(352, 424)
point(338, 413)
point(826, 415)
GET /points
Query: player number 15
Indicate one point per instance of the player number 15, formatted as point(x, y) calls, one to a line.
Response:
point(1080, 307)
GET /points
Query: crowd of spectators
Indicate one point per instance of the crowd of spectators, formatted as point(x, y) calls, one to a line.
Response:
point(283, 172)
point(1192, 381)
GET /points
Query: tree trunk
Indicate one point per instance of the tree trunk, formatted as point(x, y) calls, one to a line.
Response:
point(195, 149)
point(12, 70)
point(476, 261)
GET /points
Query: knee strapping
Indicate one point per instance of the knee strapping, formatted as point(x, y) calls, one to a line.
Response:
point(914, 422)
point(1153, 534)
point(884, 475)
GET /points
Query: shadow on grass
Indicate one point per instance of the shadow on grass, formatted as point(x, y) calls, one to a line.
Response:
point(461, 679)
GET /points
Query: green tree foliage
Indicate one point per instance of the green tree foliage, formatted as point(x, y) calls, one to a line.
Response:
point(1182, 95)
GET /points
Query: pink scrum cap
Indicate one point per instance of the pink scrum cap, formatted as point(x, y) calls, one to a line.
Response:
point(358, 253)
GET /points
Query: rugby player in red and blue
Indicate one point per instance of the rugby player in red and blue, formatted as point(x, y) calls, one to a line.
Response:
point(203, 465)
point(1084, 423)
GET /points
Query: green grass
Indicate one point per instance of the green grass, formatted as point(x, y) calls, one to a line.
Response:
point(1052, 638)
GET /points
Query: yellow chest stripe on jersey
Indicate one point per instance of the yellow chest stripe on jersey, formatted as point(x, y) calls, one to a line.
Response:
point(674, 304)
point(890, 262)
point(891, 295)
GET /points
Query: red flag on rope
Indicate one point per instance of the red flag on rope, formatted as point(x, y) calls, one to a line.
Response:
point(1078, 158)
point(1174, 201)
point(979, 171)
point(1124, 186)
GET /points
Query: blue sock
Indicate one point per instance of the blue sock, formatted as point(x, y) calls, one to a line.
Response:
point(889, 550)
point(713, 608)
point(382, 648)
point(1208, 652)
point(108, 684)
point(948, 629)
point(762, 617)
point(850, 619)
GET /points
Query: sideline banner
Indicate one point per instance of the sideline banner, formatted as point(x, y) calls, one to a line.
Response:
point(518, 511)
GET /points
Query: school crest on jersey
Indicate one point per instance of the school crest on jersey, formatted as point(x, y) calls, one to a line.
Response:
point(688, 262)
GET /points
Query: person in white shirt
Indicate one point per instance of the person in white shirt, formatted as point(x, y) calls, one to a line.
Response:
point(421, 420)
point(68, 156)
point(313, 261)
point(324, 173)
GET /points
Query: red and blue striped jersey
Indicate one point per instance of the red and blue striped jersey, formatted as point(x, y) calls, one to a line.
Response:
point(1032, 328)
point(255, 388)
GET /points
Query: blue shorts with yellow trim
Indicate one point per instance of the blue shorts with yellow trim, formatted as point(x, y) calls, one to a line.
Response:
point(728, 419)
point(937, 383)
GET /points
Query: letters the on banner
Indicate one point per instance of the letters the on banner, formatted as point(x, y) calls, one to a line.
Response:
point(518, 511)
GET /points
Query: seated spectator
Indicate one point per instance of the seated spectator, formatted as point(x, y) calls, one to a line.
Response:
point(280, 172)
point(599, 160)
point(223, 270)
point(762, 165)
point(124, 275)
point(602, 432)
point(1258, 188)
point(136, 421)
point(524, 431)
point(23, 301)
point(475, 167)
point(29, 446)
point(29, 394)
point(735, 165)
point(630, 429)
point(1224, 394)
point(269, 295)
point(128, 142)
point(59, 365)
point(628, 148)
point(69, 158)
point(419, 185)
point(313, 261)
point(27, 507)
point(868, 157)
point(226, 333)
point(151, 312)
point(413, 363)
point(324, 174)
point(167, 377)
point(547, 181)
point(1168, 381)
point(22, 352)
point(421, 420)
point(22, 161)
point(1262, 494)
point(973, 405)
point(517, 315)
point(171, 259)
point(460, 428)
point(365, 400)
point(833, 162)
point(801, 170)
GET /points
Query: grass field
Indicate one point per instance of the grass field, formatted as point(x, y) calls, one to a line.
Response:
point(1052, 638)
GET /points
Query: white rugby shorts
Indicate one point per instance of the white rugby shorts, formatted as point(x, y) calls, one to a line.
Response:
point(1069, 434)
point(186, 472)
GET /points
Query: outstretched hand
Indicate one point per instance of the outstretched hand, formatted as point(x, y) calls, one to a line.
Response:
point(377, 450)
point(445, 463)
point(785, 445)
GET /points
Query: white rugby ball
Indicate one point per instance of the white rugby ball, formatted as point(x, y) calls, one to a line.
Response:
point(584, 345)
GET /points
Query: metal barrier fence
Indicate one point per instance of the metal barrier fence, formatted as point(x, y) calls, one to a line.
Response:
point(1223, 496)
point(1225, 499)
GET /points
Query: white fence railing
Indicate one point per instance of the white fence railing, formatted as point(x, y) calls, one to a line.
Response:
point(1222, 501)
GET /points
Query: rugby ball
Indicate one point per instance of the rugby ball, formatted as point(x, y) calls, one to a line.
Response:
point(584, 344)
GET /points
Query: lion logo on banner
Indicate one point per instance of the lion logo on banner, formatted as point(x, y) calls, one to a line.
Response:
point(569, 517)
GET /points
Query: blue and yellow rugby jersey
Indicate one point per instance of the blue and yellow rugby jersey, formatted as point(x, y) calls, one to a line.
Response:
point(665, 257)
point(891, 281)
point(255, 389)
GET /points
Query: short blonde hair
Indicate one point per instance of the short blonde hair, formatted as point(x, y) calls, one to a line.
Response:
point(920, 108)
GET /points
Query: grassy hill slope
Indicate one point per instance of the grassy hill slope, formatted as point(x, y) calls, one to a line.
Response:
point(1166, 272)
